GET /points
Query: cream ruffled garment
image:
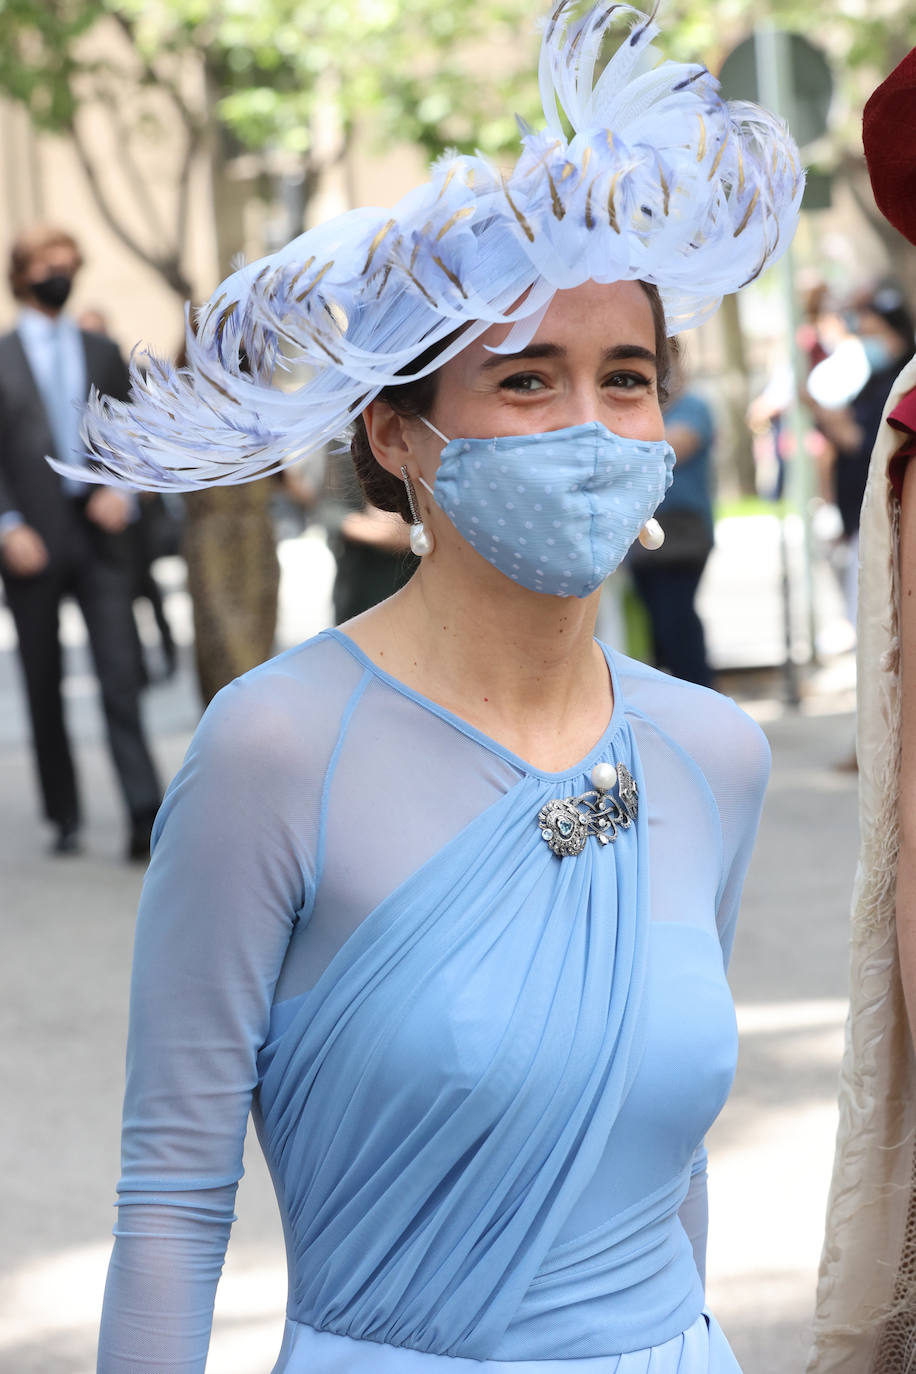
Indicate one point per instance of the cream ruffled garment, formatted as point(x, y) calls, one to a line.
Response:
point(865, 1322)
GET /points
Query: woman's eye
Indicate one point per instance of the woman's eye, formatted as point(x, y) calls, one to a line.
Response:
point(629, 381)
point(522, 381)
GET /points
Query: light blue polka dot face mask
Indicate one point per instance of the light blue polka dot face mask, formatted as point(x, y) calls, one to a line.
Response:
point(555, 512)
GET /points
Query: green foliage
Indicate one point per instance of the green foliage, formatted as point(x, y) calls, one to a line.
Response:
point(39, 55)
point(407, 70)
point(873, 34)
point(411, 71)
point(862, 39)
point(433, 72)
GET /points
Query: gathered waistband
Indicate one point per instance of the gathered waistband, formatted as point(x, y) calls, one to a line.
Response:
point(701, 1349)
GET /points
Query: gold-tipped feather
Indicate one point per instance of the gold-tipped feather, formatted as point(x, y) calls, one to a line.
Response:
point(450, 223)
point(526, 227)
point(377, 243)
point(314, 282)
point(611, 207)
point(451, 276)
point(747, 214)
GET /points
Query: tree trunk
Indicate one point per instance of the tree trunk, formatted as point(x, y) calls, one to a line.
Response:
point(229, 194)
point(737, 454)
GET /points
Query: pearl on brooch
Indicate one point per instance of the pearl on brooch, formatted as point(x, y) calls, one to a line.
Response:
point(604, 777)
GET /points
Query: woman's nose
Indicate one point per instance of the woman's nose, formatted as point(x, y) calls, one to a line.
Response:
point(580, 407)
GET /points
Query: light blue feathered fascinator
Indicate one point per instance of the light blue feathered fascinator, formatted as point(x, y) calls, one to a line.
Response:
point(642, 171)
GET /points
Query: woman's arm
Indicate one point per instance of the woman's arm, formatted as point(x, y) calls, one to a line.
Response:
point(906, 863)
point(689, 427)
point(735, 759)
point(228, 876)
point(694, 1211)
point(840, 428)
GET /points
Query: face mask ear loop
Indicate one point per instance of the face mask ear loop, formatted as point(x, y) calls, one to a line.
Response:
point(429, 425)
point(438, 432)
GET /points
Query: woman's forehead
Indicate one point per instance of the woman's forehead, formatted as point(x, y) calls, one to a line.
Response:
point(588, 319)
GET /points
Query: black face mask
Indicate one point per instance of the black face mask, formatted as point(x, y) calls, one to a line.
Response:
point(53, 291)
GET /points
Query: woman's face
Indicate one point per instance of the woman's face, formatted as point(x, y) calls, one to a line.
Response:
point(593, 358)
point(871, 324)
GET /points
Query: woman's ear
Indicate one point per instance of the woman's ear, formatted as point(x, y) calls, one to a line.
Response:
point(388, 436)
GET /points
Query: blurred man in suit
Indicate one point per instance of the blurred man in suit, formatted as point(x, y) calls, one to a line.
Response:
point(59, 536)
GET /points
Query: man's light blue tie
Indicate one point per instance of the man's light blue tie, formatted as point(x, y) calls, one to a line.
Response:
point(63, 415)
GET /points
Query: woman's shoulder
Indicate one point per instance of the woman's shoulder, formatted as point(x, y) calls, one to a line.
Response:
point(286, 706)
point(728, 746)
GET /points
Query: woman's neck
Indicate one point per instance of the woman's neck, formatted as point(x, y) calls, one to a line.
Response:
point(520, 666)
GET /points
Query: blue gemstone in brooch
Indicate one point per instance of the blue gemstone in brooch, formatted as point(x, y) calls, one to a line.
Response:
point(567, 822)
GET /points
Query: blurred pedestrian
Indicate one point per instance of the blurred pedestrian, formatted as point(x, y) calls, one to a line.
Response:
point(153, 533)
point(93, 320)
point(667, 579)
point(882, 325)
point(60, 536)
point(865, 1320)
point(371, 547)
point(767, 414)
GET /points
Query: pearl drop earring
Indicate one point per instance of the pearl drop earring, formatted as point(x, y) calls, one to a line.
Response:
point(651, 536)
point(421, 541)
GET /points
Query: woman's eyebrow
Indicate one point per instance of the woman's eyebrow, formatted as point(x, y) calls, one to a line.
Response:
point(620, 351)
point(534, 350)
point(551, 350)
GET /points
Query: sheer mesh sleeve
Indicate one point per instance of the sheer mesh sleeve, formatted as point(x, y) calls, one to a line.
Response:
point(229, 877)
point(732, 754)
point(738, 773)
point(736, 762)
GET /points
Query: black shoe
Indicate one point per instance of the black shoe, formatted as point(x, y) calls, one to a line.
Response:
point(67, 840)
point(138, 844)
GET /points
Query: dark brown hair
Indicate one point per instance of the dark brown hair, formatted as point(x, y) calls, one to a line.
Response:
point(28, 245)
point(413, 398)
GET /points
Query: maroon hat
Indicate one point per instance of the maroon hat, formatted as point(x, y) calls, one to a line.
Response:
point(889, 136)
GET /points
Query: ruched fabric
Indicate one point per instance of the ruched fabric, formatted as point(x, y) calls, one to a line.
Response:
point(701, 1347)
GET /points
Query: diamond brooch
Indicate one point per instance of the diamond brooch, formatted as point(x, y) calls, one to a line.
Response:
point(567, 822)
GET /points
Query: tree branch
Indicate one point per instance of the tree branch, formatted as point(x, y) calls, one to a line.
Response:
point(135, 179)
point(168, 264)
point(158, 79)
point(184, 189)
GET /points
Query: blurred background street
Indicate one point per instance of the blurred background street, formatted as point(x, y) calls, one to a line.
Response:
point(63, 997)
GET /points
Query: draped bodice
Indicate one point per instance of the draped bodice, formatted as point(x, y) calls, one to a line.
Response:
point(467, 1130)
point(481, 1073)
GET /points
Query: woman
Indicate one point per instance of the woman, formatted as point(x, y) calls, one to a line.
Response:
point(668, 585)
point(866, 1302)
point(883, 325)
point(445, 896)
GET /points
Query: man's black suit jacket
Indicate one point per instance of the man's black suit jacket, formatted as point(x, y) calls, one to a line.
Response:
point(28, 484)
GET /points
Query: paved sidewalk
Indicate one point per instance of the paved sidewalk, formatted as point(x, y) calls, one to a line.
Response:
point(67, 927)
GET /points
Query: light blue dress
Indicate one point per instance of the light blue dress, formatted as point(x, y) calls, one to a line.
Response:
point(481, 1074)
